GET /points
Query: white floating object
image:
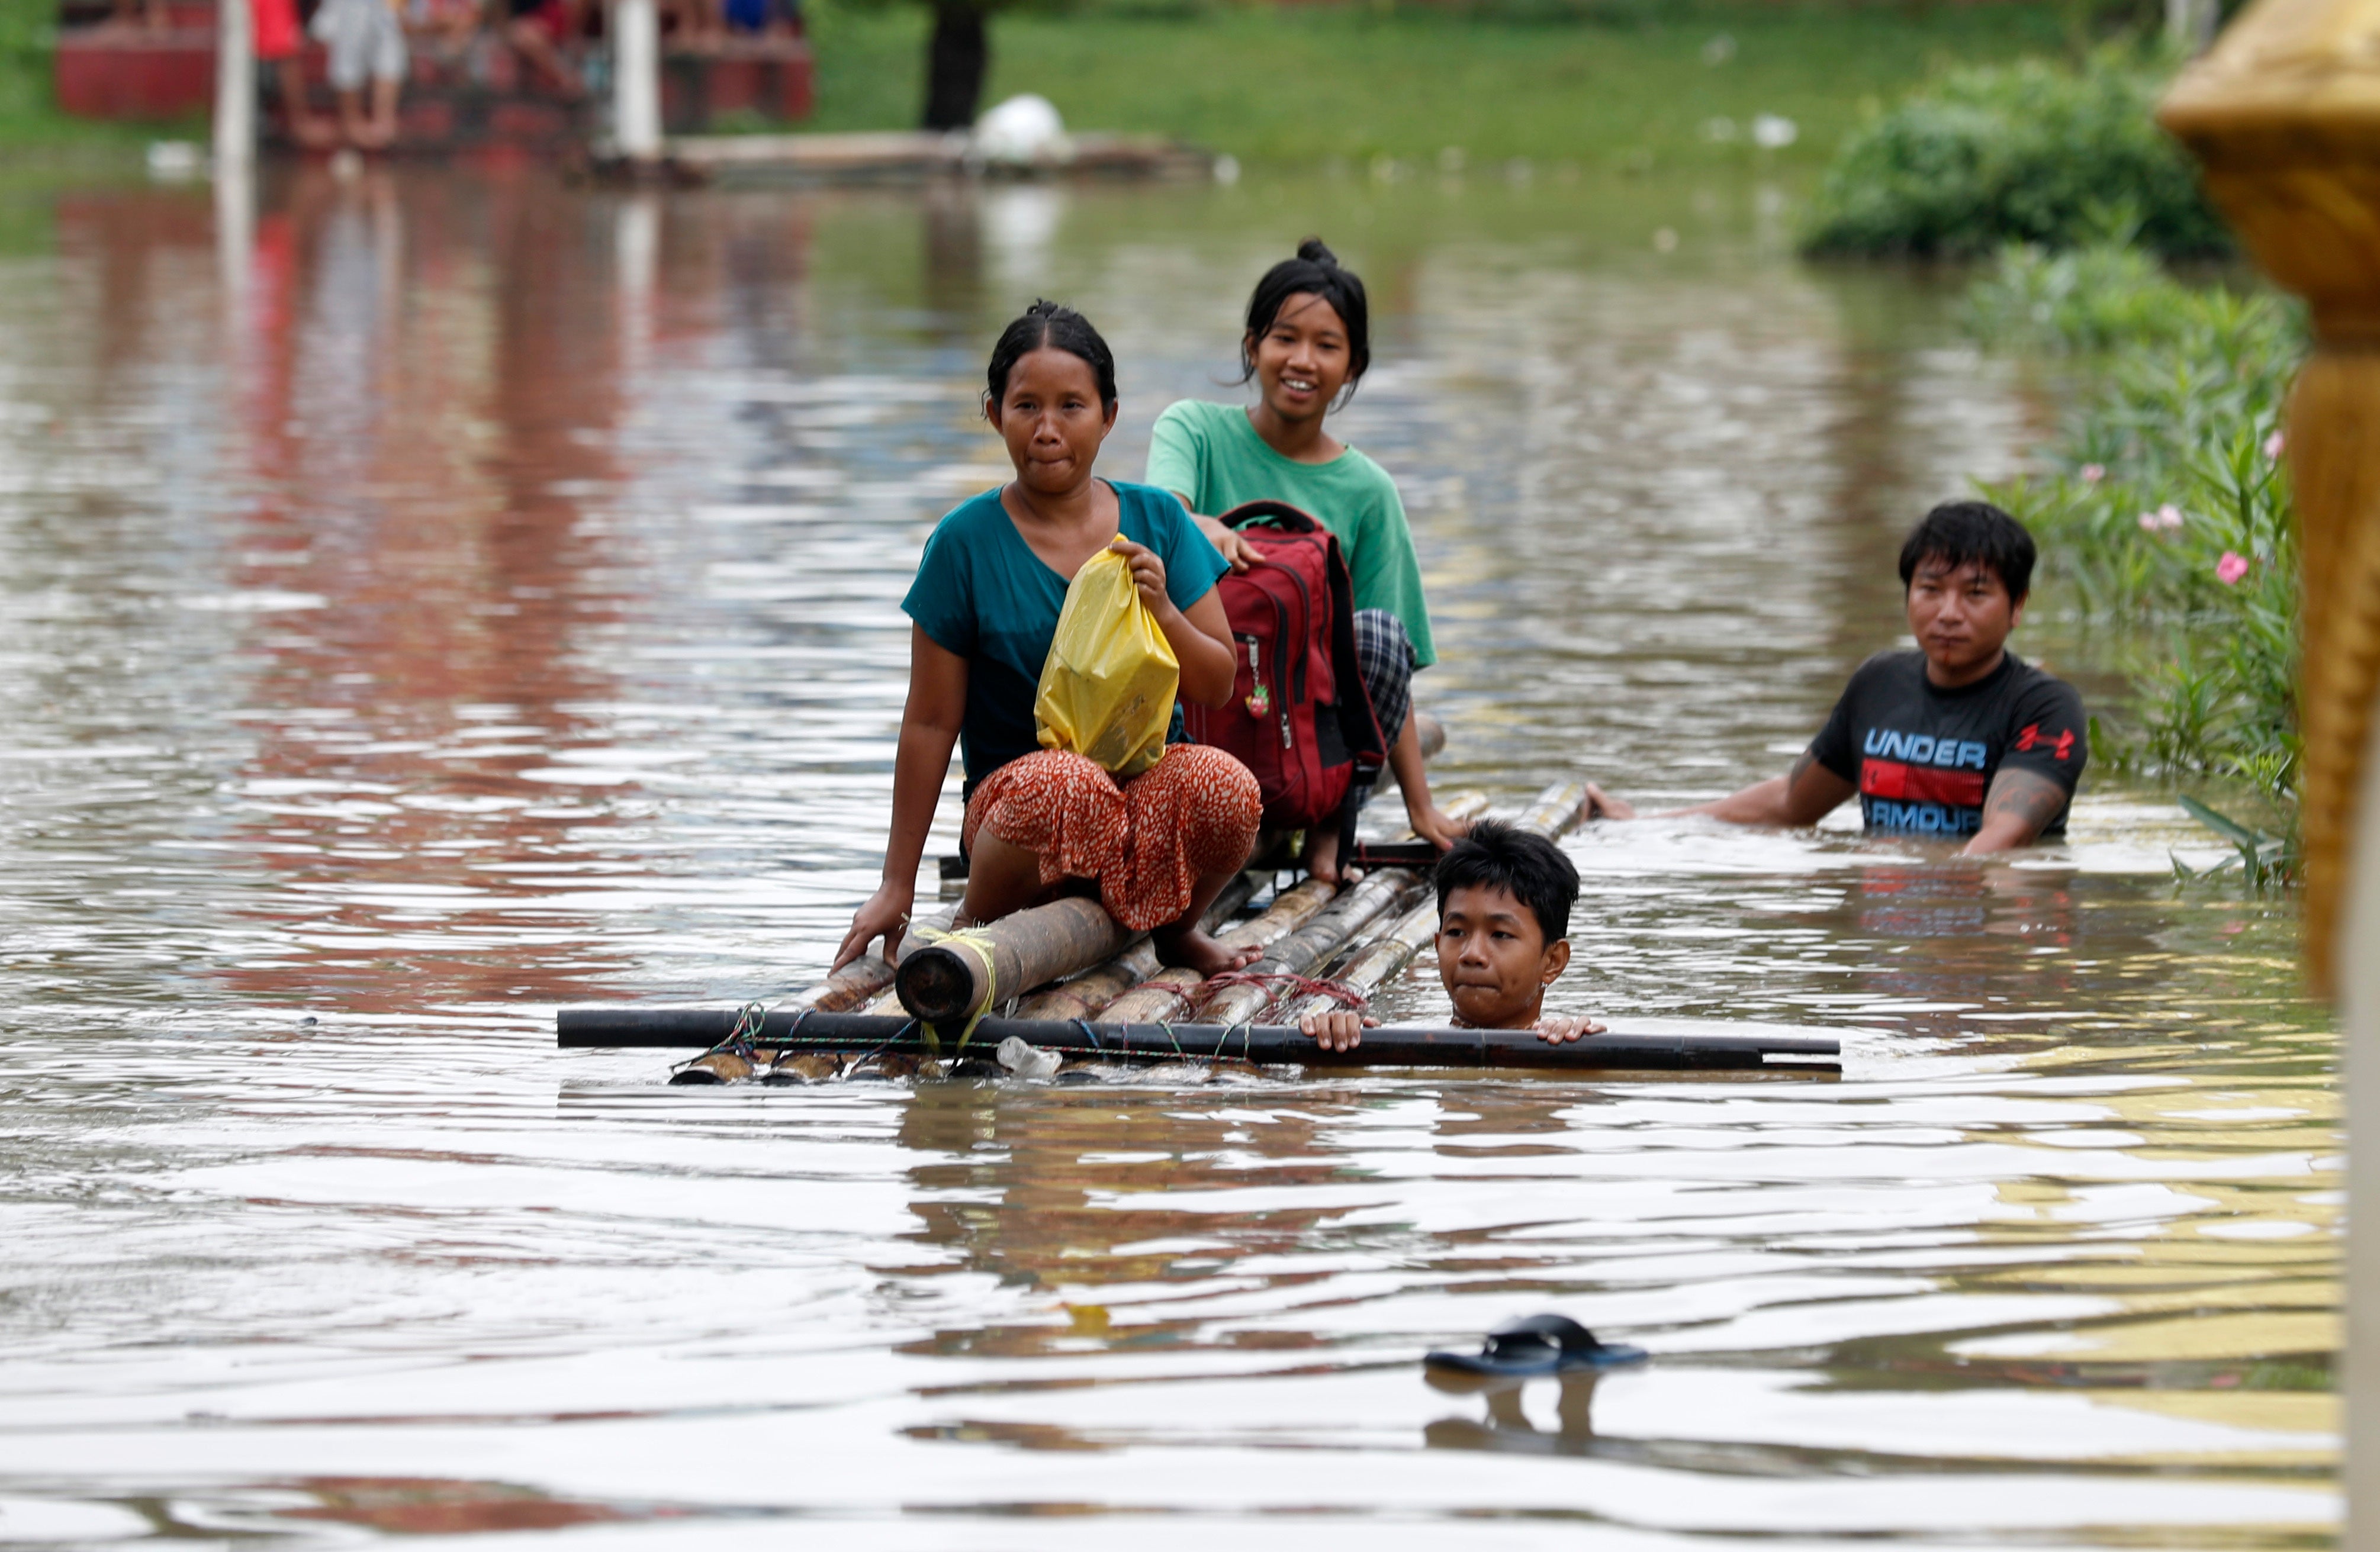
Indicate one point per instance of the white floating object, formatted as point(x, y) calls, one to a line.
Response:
point(1028, 1061)
point(1770, 132)
point(172, 161)
point(1021, 132)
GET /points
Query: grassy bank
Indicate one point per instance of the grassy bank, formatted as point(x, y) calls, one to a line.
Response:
point(1637, 89)
point(30, 125)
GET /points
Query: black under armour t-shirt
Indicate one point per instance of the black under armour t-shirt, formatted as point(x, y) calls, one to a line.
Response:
point(1924, 757)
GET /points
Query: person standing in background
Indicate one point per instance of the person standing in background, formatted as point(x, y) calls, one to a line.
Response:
point(366, 42)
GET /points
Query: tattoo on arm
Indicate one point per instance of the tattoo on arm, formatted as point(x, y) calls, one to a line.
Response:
point(1801, 768)
point(2022, 795)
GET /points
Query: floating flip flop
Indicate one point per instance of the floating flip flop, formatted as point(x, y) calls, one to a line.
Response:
point(1537, 1344)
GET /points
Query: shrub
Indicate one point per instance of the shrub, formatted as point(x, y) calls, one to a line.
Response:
point(2172, 520)
point(2031, 152)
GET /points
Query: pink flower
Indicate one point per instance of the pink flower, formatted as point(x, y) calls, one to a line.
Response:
point(2094, 473)
point(2168, 516)
point(2231, 568)
point(2273, 445)
point(2148, 522)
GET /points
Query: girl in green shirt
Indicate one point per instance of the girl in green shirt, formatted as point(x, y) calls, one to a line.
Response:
point(1306, 346)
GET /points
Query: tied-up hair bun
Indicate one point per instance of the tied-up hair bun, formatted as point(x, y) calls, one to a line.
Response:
point(1055, 326)
point(1315, 271)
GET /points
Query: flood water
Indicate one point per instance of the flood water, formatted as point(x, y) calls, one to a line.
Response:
point(459, 595)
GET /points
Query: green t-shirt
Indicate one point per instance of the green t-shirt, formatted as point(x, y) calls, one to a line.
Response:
point(1210, 453)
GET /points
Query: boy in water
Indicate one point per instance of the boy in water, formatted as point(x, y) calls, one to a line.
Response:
point(1504, 897)
point(1960, 738)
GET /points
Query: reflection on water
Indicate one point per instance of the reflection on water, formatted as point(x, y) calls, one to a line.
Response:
point(491, 601)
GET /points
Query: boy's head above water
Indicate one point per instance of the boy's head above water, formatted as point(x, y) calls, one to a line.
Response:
point(1504, 898)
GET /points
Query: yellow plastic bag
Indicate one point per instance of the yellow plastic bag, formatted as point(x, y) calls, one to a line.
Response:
point(1108, 686)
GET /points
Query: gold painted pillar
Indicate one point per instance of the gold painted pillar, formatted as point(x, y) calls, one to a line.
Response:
point(2284, 115)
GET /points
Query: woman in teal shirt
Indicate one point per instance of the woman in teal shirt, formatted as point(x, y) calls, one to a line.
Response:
point(1307, 340)
point(985, 608)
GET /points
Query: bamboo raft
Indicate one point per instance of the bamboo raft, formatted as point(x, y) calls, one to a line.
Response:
point(1094, 993)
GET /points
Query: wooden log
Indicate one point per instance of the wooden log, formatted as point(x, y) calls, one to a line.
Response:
point(1395, 1046)
point(1091, 992)
point(954, 979)
point(1168, 992)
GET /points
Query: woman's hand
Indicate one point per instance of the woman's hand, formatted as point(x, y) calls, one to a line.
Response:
point(1338, 1030)
point(1148, 575)
point(1227, 540)
point(1434, 825)
point(1562, 1031)
point(884, 915)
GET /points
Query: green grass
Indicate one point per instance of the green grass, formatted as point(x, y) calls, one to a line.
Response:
point(1634, 92)
point(32, 129)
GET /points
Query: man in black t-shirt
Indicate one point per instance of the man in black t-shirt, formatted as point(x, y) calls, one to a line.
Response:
point(1959, 739)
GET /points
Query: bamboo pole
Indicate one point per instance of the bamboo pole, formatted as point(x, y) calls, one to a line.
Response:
point(966, 974)
point(1374, 964)
point(1168, 992)
point(1430, 734)
point(860, 980)
point(867, 984)
point(1091, 992)
point(1238, 1001)
point(1173, 993)
point(1395, 1046)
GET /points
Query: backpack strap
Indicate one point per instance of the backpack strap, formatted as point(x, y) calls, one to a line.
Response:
point(1359, 728)
point(1280, 515)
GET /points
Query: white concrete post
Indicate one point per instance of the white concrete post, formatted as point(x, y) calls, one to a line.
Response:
point(637, 79)
point(235, 87)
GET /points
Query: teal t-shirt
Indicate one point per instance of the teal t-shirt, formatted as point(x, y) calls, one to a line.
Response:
point(1210, 453)
point(982, 593)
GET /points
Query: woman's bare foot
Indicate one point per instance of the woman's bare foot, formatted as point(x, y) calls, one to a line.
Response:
point(1191, 949)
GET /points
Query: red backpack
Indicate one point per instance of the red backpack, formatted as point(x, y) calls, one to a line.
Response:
point(1298, 716)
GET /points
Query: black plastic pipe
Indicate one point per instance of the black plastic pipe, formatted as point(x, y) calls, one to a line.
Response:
point(1265, 1044)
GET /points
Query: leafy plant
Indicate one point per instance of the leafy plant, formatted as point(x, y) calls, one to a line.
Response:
point(2033, 152)
point(2173, 524)
point(2265, 861)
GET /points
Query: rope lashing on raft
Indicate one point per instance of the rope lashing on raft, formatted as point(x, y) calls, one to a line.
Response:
point(1310, 985)
point(984, 949)
point(738, 1043)
point(1215, 1058)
